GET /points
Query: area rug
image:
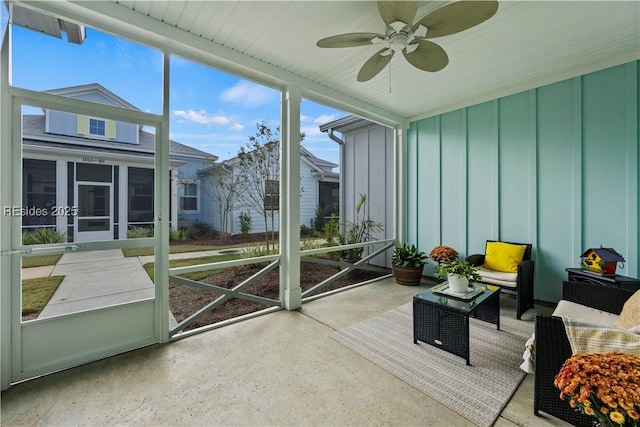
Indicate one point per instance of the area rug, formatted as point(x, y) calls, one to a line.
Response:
point(478, 392)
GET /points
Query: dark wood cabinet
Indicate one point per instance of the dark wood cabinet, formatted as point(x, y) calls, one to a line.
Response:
point(580, 275)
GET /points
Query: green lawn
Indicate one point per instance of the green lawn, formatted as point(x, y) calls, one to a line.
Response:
point(40, 260)
point(174, 263)
point(36, 293)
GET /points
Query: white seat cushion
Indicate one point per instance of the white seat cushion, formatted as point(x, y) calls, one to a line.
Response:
point(497, 277)
point(582, 312)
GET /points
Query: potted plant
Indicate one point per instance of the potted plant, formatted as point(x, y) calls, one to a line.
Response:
point(360, 230)
point(459, 274)
point(443, 253)
point(407, 263)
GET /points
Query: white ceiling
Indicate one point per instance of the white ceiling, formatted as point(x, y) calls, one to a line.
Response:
point(525, 45)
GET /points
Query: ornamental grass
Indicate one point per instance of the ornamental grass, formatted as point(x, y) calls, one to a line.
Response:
point(605, 386)
point(443, 253)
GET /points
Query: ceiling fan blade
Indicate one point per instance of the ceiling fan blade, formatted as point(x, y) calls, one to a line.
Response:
point(456, 17)
point(428, 56)
point(374, 65)
point(349, 40)
point(394, 11)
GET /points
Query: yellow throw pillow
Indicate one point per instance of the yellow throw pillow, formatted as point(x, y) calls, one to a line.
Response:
point(505, 257)
point(630, 314)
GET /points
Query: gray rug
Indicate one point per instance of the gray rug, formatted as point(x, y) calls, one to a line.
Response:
point(478, 392)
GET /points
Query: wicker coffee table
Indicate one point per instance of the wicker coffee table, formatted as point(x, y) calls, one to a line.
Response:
point(442, 320)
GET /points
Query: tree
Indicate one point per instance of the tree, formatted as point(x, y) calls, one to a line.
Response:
point(225, 186)
point(259, 169)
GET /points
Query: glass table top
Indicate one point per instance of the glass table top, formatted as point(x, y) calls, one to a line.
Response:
point(458, 304)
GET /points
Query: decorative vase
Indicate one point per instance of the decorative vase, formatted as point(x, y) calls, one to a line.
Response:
point(458, 284)
point(408, 276)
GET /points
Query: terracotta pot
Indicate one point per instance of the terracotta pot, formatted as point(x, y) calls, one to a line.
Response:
point(408, 276)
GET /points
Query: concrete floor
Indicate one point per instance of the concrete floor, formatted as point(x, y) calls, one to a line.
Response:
point(278, 369)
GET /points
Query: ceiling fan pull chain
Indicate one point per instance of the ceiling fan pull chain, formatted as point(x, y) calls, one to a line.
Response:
point(389, 77)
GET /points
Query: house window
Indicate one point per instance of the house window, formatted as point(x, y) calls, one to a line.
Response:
point(189, 197)
point(140, 196)
point(329, 198)
point(272, 194)
point(97, 127)
point(38, 192)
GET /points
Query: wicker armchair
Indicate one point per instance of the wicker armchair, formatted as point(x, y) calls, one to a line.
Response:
point(552, 347)
point(523, 285)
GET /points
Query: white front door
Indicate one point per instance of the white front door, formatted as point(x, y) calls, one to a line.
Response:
point(94, 221)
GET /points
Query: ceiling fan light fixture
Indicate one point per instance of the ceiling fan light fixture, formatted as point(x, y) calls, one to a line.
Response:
point(400, 40)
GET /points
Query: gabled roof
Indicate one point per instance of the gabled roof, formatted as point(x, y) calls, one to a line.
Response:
point(317, 164)
point(73, 91)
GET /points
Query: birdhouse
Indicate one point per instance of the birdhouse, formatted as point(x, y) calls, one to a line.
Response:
point(601, 260)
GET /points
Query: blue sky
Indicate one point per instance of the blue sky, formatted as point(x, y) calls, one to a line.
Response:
point(210, 110)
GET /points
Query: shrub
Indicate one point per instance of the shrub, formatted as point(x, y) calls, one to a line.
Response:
point(201, 228)
point(309, 244)
point(139, 232)
point(305, 231)
point(258, 250)
point(41, 236)
point(245, 223)
point(179, 235)
point(319, 221)
point(331, 230)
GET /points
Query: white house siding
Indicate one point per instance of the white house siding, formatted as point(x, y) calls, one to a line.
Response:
point(308, 203)
point(188, 173)
point(308, 195)
point(368, 168)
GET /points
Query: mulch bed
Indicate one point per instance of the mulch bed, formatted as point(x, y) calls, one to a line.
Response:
point(185, 300)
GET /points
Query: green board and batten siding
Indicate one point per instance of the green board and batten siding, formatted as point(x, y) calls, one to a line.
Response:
point(555, 166)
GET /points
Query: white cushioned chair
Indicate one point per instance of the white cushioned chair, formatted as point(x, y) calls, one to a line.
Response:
point(519, 282)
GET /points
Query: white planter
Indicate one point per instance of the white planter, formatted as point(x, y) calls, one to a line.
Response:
point(458, 284)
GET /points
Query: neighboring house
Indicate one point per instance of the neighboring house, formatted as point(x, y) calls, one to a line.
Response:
point(366, 166)
point(319, 187)
point(100, 171)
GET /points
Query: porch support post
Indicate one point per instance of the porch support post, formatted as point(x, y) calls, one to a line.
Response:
point(400, 198)
point(290, 198)
point(162, 215)
point(6, 261)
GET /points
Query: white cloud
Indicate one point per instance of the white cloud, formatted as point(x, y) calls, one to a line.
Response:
point(311, 131)
point(237, 126)
point(248, 94)
point(202, 117)
point(320, 120)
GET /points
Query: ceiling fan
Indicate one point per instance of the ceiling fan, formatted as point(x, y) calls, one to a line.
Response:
point(401, 34)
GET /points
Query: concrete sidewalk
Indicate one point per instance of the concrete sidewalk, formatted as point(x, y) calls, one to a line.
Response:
point(97, 279)
point(102, 278)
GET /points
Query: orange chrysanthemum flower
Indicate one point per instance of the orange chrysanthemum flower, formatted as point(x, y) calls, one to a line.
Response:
point(606, 386)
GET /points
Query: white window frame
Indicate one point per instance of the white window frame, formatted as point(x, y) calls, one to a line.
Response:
point(104, 122)
point(183, 195)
